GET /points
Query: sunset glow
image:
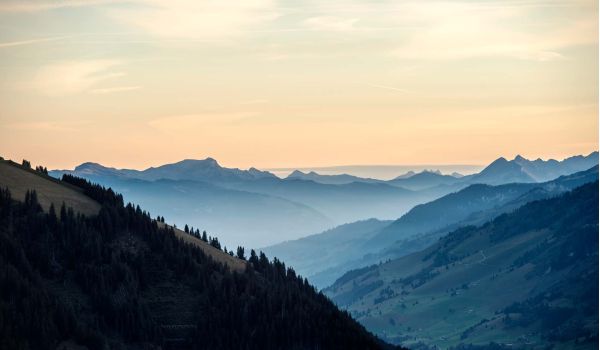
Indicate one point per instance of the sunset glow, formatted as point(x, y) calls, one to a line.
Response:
point(283, 84)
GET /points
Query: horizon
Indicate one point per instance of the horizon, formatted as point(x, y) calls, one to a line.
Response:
point(375, 171)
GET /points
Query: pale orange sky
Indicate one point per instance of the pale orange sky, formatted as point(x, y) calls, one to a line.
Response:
point(297, 84)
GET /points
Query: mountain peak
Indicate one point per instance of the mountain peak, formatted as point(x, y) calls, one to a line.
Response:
point(88, 165)
point(519, 158)
point(296, 173)
point(500, 160)
point(431, 171)
point(211, 161)
point(406, 175)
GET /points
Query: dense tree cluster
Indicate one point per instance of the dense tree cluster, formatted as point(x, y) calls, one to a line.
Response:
point(119, 279)
point(41, 169)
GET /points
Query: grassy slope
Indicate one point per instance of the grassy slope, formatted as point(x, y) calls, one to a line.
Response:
point(217, 254)
point(19, 180)
point(400, 299)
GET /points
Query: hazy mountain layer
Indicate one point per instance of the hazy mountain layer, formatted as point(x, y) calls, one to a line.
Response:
point(324, 257)
point(528, 278)
point(250, 207)
point(257, 208)
point(423, 225)
point(522, 170)
point(240, 217)
point(329, 179)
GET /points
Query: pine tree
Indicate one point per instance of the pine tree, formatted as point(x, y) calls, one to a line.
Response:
point(240, 253)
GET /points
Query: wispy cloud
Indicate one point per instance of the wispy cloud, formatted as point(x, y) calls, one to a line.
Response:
point(110, 90)
point(330, 23)
point(197, 19)
point(72, 77)
point(62, 126)
point(451, 30)
point(32, 41)
point(35, 6)
point(388, 88)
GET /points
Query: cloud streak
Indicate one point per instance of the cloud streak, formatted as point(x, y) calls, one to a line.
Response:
point(111, 90)
point(197, 19)
point(388, 88)
point(330, 23)
point(73, 77)
point(37, 6)
point(32, 41)
point(462, 30)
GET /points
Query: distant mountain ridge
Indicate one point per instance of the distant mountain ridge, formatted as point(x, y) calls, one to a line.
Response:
point(418, 228)
point(423, 180)
point(320, 201)
point(329, 179)
point(207, 170)
point(523, 170)
point(500, 171)
point(249, 206)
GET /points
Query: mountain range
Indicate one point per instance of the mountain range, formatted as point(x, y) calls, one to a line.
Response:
point(415, 230)
point(528, 278)
point(205, 194)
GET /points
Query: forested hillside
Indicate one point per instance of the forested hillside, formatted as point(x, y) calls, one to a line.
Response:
point(120, 280)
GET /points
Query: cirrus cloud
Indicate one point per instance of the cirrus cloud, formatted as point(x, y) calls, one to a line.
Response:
point(72, 77)
point(212, 19)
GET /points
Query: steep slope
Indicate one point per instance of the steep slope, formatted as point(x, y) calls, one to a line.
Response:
point(120, 280)
point(528, 278)
point(325, 256)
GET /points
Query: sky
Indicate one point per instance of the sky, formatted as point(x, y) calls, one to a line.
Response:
point(276, 84)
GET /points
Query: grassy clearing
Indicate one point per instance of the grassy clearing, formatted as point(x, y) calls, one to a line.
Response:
point(20, 179)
